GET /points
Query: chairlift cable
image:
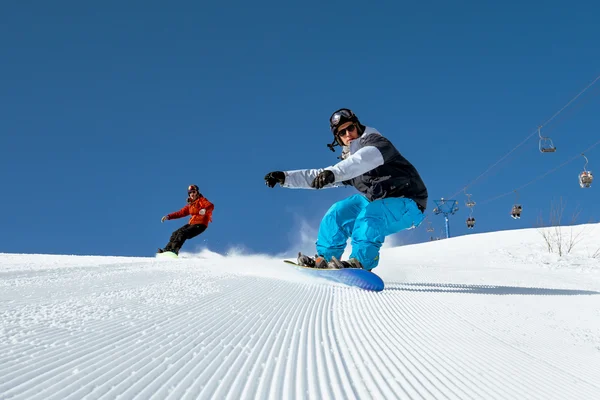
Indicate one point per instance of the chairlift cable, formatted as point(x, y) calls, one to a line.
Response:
point(541, 176)
point(535, 132)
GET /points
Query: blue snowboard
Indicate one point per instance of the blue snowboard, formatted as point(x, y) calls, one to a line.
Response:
point(348, 276)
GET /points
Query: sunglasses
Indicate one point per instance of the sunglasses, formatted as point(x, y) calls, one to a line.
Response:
point(348, 129)
point(192, 191)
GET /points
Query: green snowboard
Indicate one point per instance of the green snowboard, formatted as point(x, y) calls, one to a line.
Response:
point(167, 254)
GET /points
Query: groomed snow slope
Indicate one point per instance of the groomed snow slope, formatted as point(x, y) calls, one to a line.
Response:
point(488, 316)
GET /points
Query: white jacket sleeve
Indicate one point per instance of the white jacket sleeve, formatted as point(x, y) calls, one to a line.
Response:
point(362, 161)
point(302, 178)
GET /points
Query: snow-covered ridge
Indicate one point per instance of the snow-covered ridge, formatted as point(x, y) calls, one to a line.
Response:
point(481, 316)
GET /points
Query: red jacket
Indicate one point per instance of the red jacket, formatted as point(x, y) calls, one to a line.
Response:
point(193, 209)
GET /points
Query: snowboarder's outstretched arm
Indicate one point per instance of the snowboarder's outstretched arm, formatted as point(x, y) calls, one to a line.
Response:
point(301, 179)
point(185, 211)
point(364, 160)
point(305, 179)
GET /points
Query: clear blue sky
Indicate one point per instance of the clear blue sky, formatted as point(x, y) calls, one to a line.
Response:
point(109, 111)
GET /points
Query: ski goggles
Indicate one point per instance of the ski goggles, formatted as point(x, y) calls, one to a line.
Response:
point(337, 116)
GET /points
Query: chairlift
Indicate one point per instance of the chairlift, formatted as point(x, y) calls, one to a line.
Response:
point(430, 228)
point(516, 211)
point(585, 177)
point(546, 145)
point(470, 222)
point(517, 208)
point(469, 203)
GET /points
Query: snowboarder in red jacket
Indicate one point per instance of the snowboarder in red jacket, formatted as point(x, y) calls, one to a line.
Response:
point(200, 210)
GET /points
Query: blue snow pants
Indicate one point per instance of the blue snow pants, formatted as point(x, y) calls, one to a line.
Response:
point(367, 223)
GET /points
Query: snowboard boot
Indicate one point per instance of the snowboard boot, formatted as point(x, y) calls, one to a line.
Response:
point(167, 250)
point(351, 263)
point(316, 262)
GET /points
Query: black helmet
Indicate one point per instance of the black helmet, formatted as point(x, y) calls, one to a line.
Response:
point(193, 188)
point(338, 118)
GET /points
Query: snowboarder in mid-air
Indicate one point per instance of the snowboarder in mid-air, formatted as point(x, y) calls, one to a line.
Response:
point(200, 210)
point(393, 196)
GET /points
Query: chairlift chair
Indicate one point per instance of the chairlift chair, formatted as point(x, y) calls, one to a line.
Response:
point(516, 211)
point(469, 203)
point(429, 227)
point(470, 222)
point(585, 178)
point(546, 145)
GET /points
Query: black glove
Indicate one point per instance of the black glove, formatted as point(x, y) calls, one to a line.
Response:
point(323, 179)
point(272, 178)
